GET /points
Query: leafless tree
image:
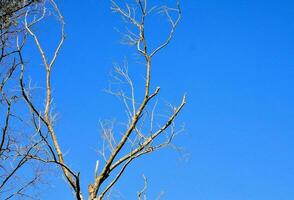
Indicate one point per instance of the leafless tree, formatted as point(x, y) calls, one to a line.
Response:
point(18, 134)
point(146, 129)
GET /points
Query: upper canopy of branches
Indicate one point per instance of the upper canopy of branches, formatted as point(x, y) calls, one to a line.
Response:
point(11, 10)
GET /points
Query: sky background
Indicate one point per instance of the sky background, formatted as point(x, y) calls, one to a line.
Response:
point(233, 58)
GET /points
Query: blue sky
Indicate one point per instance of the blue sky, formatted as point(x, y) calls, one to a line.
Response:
point(234, 59)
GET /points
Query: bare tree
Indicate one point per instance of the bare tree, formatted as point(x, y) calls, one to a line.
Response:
point(145, 131)
point(18, 134)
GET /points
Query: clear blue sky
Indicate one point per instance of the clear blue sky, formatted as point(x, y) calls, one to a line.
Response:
point(235, 60)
